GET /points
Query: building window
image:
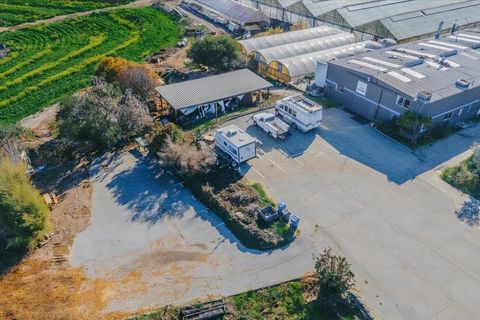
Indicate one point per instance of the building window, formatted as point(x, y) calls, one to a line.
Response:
point(339, 88)
point(394, 117)
point(448, 116)
point(280, 67)
point(404, 102)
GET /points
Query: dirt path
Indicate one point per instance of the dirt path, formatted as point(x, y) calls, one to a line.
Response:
point(134, 4)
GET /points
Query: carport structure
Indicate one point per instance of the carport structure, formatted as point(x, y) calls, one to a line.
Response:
point(200, 98)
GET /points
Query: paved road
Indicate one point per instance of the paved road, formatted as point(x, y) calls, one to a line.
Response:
point(370, 199)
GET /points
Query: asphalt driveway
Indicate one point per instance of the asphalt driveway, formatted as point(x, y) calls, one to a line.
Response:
point(379, 204)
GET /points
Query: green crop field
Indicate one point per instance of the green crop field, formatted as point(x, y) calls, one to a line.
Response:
point(13, 12)
point(49, 62)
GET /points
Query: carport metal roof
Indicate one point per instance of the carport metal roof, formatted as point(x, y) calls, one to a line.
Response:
point(210, 89)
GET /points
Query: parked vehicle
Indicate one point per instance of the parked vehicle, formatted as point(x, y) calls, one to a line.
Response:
point(272, 125)
point(236, 144)
point(300, 112)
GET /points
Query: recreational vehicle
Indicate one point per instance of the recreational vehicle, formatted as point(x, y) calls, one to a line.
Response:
point(300, 112)
point(236, 144)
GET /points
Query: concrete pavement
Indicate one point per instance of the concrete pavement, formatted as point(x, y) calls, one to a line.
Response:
point(380, 205)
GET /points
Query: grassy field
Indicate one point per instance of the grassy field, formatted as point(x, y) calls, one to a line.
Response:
point(49, 62)
point(14, 12)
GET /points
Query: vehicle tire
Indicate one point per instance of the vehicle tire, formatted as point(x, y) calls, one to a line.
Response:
point(234, 164)
point(270, 134)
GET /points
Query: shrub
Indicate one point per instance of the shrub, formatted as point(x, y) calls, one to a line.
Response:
point(140, 79)
point(334, 276)
point(23, 214)
point(219, 52)
point(185, 158)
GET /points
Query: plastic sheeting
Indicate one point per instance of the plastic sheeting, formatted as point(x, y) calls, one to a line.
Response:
point(306, 64)
point(308, 46)
point(234, 11)
point(256, 44)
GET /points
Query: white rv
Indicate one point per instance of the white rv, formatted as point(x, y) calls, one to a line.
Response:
point(236, 144)
point(300, 112)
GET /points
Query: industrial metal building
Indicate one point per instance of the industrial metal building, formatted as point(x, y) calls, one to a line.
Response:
point(199, 98)
point(292, 55)
point(436, 78)
point(402, 20)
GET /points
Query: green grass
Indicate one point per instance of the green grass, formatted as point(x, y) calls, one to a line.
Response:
point(14, 12)
point(325, 102)
point(49, 62)
point(264, 199)
point(283, 301)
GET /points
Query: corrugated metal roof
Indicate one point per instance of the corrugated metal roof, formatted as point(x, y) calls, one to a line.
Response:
point(428, 76)
point(307, 63)
point(210, 89)
point(234, 11)
point(318, 8)
point(255, 44)
point(308, 46)
point(426, 21)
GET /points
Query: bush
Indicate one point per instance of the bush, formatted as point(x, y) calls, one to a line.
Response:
point(23, 213)
point(186, 159)
point(219, 52)
point(139, 78)
point(334, 276)
point(102, 116)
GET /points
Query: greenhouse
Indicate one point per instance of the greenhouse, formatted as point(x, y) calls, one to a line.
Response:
point(369, 19)
point(263, 57)
point(288, 69)
point(253, 44)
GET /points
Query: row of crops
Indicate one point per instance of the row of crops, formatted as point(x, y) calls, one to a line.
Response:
point(49, 62)
point(13, 12)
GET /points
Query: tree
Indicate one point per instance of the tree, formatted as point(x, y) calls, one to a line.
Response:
point(23, 213)
point(10, 136)
point(334, 276)
point(102, 115)
point(141, 79)
point(413, 126)
point(219, 52)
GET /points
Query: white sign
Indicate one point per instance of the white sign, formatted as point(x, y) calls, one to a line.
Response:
point(362, 88)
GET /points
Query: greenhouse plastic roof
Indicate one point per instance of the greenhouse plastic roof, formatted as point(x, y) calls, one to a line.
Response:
point(426, 21)
point(287, 38)
point(210, 89)
point(234, 11)
point(363, 13)
point(308, 46)
point(307, 63)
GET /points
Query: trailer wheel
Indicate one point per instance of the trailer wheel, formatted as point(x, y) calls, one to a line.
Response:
point(234, 164)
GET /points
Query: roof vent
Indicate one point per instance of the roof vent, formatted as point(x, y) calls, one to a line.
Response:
point(462, 83)
point(414, 63)
point(424, 96)
point(231, 132)
point(449, 53)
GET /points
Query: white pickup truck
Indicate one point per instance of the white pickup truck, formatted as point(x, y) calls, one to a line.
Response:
point(272, 125)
